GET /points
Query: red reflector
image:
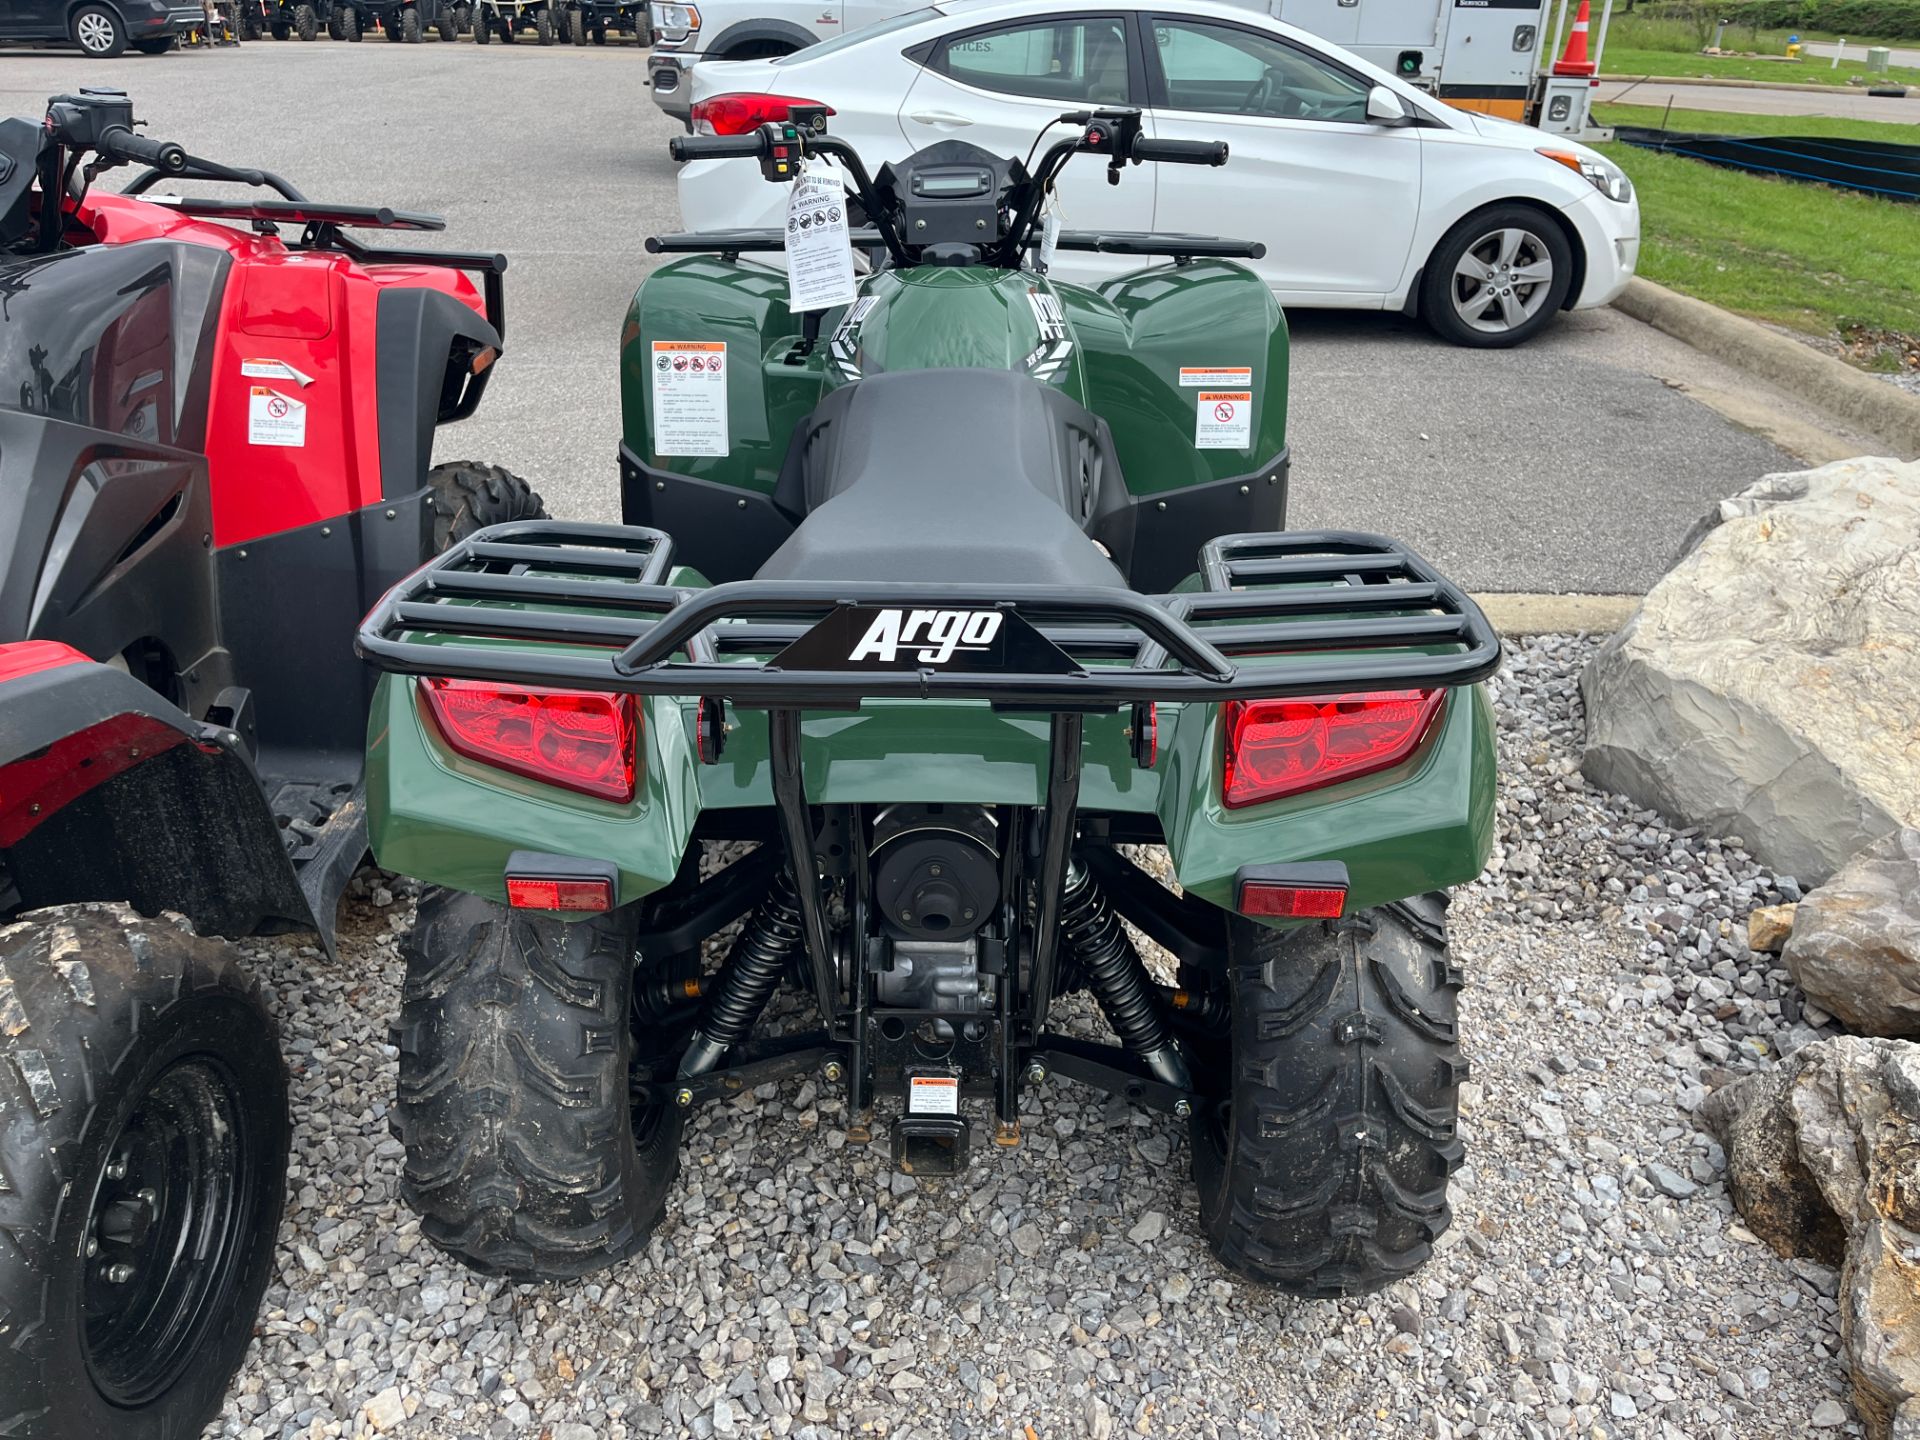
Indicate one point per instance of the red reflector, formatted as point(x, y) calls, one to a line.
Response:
point(577, 739)
point(1281, 747)
point(1291, 902)
point(737, 114)
point(526, 893)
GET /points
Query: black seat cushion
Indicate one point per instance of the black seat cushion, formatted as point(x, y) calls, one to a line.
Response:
point(946, 475)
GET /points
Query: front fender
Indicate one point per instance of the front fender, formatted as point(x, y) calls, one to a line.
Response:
point(749, 32)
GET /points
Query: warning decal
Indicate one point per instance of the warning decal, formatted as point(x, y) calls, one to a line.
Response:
point(1216, 377)
point(273, 418)
point(689, 397)
point(1224, 420)
point(933, 1095)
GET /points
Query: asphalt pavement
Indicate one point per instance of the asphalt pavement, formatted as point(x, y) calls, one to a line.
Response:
point(1566, 465)
point(1897, 55)
point(1839, 101)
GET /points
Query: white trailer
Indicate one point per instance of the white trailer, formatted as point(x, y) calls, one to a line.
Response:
point(1492, 56)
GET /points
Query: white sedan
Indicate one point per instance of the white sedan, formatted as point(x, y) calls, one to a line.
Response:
point(1369, 194)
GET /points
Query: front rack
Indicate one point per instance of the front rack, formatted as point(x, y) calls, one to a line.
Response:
point(1282, 614)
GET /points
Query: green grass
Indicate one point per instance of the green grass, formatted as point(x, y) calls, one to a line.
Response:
point(1667, 46)
point(1821, 261)
point(1674, 64)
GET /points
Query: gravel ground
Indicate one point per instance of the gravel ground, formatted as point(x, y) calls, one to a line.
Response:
point(1595, 1282)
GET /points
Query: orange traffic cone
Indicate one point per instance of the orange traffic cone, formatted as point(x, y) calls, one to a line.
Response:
point(1576, 60)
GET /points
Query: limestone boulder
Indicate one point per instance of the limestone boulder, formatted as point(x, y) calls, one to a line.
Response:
point(1769, 684)
point(1855, 945)
point(1823, 1161)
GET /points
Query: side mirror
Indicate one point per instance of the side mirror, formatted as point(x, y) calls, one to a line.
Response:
point(1386, 108)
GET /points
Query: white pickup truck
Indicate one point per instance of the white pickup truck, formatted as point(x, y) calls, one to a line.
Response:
point(685, 31)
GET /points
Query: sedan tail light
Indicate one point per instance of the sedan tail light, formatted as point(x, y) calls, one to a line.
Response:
point(1282, 747)
point(739, 113)
point(580, 740)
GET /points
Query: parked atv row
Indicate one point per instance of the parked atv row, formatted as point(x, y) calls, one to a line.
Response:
point(922, 693)
point(201, 489)
point(410, 21)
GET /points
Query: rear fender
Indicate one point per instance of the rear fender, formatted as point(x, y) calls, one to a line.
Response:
point(107, 792)
point(1425, 825)
point(449, 821)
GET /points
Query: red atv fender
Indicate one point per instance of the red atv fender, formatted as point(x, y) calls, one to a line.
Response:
point(107, 792)
point(327, 372)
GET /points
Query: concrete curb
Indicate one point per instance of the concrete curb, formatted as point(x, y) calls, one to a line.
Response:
point(1728, 84)
point(1881, 410)
point(1517, 613)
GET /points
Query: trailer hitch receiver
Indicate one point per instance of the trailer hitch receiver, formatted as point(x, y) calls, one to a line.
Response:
point(930, 1144)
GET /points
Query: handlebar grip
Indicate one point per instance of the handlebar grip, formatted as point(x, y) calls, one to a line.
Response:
point(122, 144)
point(1180, 152)
point(715, 147)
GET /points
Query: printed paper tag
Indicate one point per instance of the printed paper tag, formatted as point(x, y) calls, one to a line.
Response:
point(1049, 231)
point(273, 418)
point(1224, 420)
point(819, 246)
point(933, 1095)
point(689, 397)
point(1217, 377)
point(274, 370)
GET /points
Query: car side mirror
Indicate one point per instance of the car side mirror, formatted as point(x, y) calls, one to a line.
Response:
point(1386, 108)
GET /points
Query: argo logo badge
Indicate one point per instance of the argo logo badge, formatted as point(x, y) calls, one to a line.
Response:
point(911, 637)
point(934, 636)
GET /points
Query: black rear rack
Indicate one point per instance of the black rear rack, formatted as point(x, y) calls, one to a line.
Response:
point(300, 212)
point(1329, 611)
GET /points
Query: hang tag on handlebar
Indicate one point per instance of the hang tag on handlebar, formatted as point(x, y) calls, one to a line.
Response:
point(819, 243)
point(1049, 230)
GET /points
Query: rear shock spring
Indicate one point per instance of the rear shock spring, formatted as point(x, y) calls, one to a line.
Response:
point(1104, 954)
point(749, 977)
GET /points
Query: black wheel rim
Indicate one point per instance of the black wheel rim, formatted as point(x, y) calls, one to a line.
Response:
point(166, 1231)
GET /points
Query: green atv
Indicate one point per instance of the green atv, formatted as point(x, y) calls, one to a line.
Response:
point(930, 609)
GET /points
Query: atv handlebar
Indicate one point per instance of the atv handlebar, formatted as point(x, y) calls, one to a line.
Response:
point(1180, 152)
point(717, 147)
point(1113, 134)
point(116, 142)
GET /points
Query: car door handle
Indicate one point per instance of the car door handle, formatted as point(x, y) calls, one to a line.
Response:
point(939, 117)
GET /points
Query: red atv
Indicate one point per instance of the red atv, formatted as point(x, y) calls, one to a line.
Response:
point(215, 455)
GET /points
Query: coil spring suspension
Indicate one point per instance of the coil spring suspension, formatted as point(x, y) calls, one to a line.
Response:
point(1104, 954)
point(750, 976)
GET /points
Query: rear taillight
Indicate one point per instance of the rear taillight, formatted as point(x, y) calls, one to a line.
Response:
point(1281, 747)
point(577, 739)
point(739, 113)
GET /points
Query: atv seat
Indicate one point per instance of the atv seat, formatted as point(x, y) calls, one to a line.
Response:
point(947, 475)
